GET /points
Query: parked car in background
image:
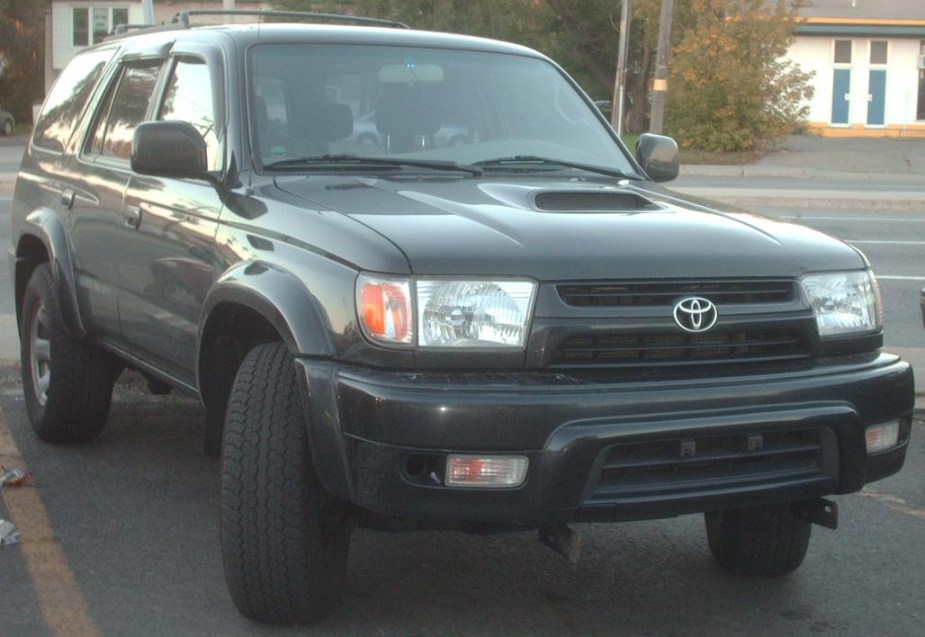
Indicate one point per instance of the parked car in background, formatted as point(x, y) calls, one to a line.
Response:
point(7, 122)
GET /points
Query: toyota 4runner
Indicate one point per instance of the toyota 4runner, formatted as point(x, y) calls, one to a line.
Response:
point(483, 313)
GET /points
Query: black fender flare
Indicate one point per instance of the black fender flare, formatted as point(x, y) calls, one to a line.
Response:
point(287, 304)
point(278, 296)
point(46, 226)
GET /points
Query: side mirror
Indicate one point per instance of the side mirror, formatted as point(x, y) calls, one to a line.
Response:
point(169, 149)
point(658, 156)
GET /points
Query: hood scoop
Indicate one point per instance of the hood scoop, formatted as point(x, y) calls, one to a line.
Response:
point(592, 201)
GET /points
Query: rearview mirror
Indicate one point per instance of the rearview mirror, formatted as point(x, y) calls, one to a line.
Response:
point(169, 149)
point(410, 72)
point(658, 156)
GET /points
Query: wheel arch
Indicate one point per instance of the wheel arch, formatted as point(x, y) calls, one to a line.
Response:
point(252, 303)
point(44, 240)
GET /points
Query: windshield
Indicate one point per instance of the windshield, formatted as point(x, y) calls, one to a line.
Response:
point(314, 106)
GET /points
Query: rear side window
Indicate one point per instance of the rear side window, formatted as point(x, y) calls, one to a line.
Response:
point(67, 100)
point(125, 107)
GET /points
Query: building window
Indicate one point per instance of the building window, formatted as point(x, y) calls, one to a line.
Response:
point(920, 111)
point(878, 52)
point(93, 24)
point(842, 51)
point(81, 27)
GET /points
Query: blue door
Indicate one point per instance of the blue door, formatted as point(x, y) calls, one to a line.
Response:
point(841, 93)
point(876, 100)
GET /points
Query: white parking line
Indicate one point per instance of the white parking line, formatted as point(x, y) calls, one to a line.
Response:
point(887, 277)
point(885, 243)
point(59, 595)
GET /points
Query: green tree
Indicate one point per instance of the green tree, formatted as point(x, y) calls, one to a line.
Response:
point(22, 41)
point(730, 87)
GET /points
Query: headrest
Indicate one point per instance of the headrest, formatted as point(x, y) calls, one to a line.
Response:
point(324, 121)
point(405, 111)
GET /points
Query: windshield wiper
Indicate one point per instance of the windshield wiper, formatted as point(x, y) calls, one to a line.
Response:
point(354, 161)
point(526, 162)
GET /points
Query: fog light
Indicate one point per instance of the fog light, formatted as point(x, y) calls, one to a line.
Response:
point(485, 471)
point(882, 437)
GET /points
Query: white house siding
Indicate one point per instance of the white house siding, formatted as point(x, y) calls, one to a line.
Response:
point(62, 20)
point(62, 17)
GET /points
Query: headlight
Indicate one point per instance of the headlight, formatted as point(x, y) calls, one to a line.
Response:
point(845, 302)
point(451, 313)
point(457, 313)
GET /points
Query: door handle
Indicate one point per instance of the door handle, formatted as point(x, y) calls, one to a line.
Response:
point(67, 198)
point(132, 216)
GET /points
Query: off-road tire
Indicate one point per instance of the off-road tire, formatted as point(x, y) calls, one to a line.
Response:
point(67, 382)
point(765, 540)
point(284, 538)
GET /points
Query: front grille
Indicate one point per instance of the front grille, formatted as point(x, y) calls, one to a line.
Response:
point(673, 467)
point(677, 348)
point(667, 293)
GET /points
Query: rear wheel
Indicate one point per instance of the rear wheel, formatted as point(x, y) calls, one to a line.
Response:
point(284, 538)
point(8, 127)
point(765, 540)
point(67, 383)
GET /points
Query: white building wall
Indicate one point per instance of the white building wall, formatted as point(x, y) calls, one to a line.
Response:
point(62, 17)
point(816, 54)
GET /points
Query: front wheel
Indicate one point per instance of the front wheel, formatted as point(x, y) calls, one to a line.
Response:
point(284, 538)
point(67, 383)
point(764, 540)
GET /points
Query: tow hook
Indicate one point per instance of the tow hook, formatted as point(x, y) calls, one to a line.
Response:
point(818, 511)
point(562, 540)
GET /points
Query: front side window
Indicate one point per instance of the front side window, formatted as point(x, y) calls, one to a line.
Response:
point(309, 101)
point(67, 98)
point(189, 98)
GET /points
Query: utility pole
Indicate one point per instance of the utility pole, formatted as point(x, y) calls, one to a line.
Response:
point(147, 9)
point(660, 82)
point(619, 84)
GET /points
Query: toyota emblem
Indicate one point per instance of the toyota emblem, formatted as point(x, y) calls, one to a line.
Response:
point(695, 314)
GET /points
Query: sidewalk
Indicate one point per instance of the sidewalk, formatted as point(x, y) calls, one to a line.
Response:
point(823, 172)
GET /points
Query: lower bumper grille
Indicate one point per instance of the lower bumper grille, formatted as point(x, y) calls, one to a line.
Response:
point(676, 467)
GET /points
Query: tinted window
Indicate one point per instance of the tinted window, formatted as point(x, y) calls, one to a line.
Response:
point(189, 98)
point(67, 99)
point(456, 105)
point(129, 106)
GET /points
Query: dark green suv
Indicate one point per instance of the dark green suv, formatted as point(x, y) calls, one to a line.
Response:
point(518, 329)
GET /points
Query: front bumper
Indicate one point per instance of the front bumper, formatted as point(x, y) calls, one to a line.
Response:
point(603, 452)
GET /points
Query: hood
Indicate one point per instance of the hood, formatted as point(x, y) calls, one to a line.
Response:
point(571, 230)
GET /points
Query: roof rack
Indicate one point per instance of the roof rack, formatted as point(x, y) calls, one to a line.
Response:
point(183, 17)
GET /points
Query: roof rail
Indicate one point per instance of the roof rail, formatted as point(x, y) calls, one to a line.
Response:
point(125, 30)
point(183, 17)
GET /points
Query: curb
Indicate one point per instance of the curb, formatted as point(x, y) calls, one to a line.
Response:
point(793, 172)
